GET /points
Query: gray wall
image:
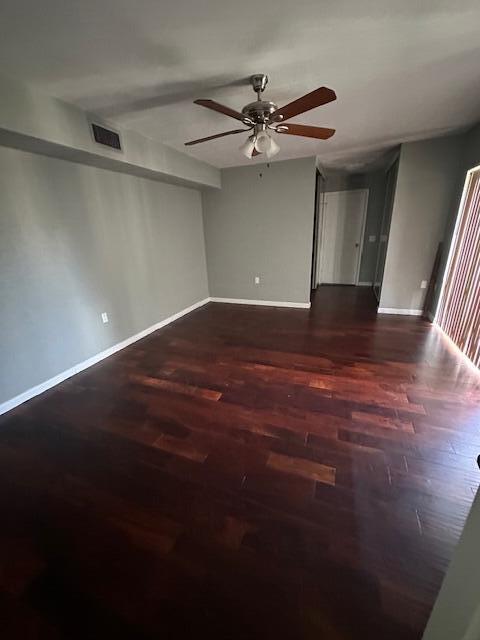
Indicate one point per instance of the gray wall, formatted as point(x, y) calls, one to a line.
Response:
point(456, 613)
point(471, 156)
point(375, 182)
point(470, 159)
point(261, 224)
point(428, 174)
point(76, 241)
point(384, 230)
point(34, 121)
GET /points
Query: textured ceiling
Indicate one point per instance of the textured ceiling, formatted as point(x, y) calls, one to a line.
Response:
point(401, 70)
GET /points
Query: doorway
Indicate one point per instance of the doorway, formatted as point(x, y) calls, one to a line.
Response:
point(458, 312)
point(316, 217)
point(342, 227)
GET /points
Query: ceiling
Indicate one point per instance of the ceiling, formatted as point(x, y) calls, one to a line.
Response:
point(401, 70)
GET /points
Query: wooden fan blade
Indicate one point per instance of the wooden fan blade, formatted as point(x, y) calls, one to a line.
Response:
point(322, 133)
point(316, 98)
point(221, 108)
point(217, 135)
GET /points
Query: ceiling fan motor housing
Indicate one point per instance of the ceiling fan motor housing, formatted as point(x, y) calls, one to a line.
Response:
point(260, 111)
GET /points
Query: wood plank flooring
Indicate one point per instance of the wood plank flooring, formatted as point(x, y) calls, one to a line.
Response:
point(247, 472)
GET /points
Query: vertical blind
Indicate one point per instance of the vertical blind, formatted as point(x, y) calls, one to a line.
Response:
point(459, 307)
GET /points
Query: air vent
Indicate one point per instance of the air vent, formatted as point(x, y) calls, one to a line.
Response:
point(106, 137)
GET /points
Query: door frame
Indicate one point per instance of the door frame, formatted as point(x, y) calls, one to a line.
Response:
point(316, 231)
point(321, 234)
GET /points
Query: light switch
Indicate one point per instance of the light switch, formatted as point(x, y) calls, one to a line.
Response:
point(104, 317)
point(257, 280)
point(424, 284)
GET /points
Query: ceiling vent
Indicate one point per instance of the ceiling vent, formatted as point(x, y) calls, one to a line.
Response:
point(106, 136)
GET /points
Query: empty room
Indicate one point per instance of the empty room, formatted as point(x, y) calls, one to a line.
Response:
point(239, 320)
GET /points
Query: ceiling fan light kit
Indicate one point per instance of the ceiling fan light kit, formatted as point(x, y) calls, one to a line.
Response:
point(264, 117)
point(248, 147)
point(259, 143)
point(273, 149)
point(262, 143)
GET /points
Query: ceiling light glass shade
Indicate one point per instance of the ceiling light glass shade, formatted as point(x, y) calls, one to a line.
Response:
point(248, 146)
point(273, 149)
point(262, 145)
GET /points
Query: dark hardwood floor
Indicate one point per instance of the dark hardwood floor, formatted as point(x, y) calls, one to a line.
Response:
point(247, 472)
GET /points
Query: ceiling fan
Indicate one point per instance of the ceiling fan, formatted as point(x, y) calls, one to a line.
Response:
point(262, 117)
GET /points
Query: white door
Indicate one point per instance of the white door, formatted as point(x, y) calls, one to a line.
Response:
point(341, 239)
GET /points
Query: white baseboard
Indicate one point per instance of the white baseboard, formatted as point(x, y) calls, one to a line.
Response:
point(52, 382)
point(400, 312)
point(265, 303)
point(8, 405)
point(365, 284)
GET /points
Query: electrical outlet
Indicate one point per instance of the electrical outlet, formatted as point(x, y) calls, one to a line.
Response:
point(257, 280)
point(424, 284)
point(372, 238)
point(104, 317)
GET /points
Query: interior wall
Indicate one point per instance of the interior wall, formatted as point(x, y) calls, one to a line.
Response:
point(456, 613)
point(384, 231)
point(470, 159)
point(34, 121)
point(426, 186)
point(76, 241)
point(375, 182)
point(261, 224)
